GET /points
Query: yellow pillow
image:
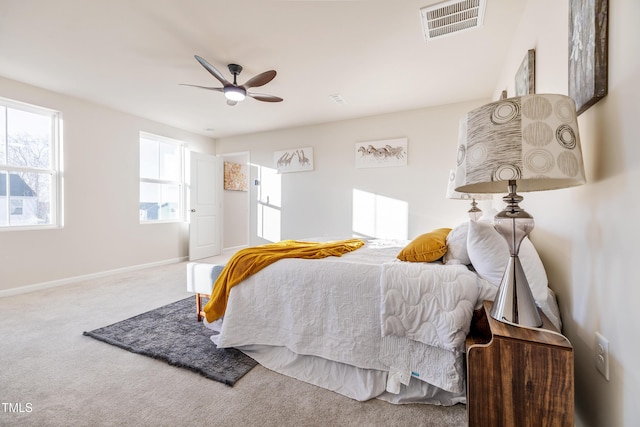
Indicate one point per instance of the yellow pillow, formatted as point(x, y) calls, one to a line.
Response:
point(426, 247)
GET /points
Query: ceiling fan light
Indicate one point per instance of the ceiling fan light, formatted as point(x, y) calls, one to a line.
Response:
point(233, 93)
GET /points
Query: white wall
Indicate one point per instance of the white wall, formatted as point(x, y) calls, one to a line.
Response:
point(587, 236)
point(318, 203)
point(101, 183)
point(236, 209)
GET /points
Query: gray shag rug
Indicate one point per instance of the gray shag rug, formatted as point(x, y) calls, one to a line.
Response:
point(172, 333)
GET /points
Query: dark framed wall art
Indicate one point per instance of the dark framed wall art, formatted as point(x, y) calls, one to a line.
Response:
point(588, 51)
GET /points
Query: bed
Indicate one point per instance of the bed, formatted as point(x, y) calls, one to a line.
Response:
point(366, 324)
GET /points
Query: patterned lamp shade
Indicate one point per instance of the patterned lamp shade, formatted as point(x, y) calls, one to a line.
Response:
point(453, 194)
point(475, 212)
point(527, 143)
point(531, 139)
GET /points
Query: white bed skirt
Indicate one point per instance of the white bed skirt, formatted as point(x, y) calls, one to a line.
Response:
point(356, 383)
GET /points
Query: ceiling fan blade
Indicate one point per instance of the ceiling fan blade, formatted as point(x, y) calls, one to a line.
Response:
point(219, 89)
point(260, 79)
point(210, 68)
point(265, 98)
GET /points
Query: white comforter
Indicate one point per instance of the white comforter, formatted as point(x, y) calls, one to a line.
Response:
point(332, 308)
point(429, 303)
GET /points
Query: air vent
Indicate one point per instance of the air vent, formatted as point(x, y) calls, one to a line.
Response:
point(337, 98)
point(450, 17)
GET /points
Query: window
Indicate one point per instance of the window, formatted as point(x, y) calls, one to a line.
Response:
point(269, 204)
point(30, 172)
point(161, 179)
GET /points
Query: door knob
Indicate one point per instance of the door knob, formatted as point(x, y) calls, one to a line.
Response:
point(193, 210)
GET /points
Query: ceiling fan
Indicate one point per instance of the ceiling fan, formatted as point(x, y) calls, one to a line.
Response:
point(233, 91)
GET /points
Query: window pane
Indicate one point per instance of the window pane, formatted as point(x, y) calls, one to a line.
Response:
point(4, 206)
point(149, 196)
point(149, 159)
point(28, 139)
point(170, 206)
point(268, 223)
point(270, 186)
point(159, 201)
point(3, 135)
point(29, 199)
point(169, 162)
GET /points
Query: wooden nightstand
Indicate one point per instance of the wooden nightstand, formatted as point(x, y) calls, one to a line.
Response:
point(518, 376)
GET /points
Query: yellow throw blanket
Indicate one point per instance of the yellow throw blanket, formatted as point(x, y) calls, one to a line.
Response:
point(248, 261)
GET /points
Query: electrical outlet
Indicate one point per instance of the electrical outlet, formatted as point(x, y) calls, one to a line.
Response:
point(602, 355)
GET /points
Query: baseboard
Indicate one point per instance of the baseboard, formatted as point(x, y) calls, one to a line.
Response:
point(75, 279)
point(233, 249)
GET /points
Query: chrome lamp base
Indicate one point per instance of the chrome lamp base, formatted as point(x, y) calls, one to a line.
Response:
point(514, 302)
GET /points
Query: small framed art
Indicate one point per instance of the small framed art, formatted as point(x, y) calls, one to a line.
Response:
point(388, 152)
point(235, 176)
point(294, 160)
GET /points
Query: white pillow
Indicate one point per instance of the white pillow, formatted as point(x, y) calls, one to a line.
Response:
point(457, 245)
point(489, 253)
point(488, 216)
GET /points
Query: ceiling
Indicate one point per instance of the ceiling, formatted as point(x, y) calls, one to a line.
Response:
point(132, 55)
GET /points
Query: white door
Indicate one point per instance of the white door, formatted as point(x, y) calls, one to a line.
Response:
point(205, 236)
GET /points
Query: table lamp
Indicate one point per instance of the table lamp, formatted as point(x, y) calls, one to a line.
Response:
point(475, 212)
point(526, 143)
